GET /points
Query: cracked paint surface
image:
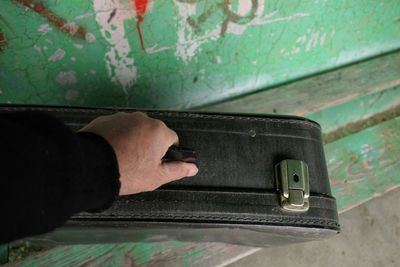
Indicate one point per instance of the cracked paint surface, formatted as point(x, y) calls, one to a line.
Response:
point(180, 53)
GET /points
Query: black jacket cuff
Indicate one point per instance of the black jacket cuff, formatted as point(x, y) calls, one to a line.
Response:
point(100, 183)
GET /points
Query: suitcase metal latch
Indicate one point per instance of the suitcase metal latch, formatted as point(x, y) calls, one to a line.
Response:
point(293, 184)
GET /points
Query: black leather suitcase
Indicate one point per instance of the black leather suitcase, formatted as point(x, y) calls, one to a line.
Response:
point(262, 181)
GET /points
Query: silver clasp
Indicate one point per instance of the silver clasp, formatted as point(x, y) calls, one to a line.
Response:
point(293, 184)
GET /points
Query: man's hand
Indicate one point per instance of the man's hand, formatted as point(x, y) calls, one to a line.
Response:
point(140, 143)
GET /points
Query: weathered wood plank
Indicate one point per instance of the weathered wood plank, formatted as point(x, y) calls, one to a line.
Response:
point(137, 254)
point(366, 164)
point(361, 166)
point(334, 99)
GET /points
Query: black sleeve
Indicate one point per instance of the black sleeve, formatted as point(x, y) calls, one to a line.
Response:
point(48, 173)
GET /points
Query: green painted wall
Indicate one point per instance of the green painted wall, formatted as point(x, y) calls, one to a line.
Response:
point(195, 52)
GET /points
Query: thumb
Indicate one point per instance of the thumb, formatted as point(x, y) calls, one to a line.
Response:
point(174, 170)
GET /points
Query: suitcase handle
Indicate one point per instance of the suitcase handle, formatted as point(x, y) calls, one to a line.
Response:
point(184, 154)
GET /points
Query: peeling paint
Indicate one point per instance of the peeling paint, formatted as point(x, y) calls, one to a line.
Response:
point(66, 78)
point(44, 28)
point(89, 37)
point(58, 55)
point(119, 62)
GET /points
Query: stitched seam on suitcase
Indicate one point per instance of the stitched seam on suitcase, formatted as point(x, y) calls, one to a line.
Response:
point(166, 113)
point(236, 219)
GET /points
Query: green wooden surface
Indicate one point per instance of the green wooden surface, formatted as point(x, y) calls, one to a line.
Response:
point(334, 99)
point(361, 166)
point(366, 164)
point(130, 254)
point(195, 52)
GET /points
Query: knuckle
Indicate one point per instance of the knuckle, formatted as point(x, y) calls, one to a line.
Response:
point(136, 114)
point(158, 125)
point(139, 113)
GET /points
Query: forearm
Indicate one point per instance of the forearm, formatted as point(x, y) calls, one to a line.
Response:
point(48, 173)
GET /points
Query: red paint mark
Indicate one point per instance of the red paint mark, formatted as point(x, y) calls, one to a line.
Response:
point(53, 18)
point(141, 7)
point(2, 42)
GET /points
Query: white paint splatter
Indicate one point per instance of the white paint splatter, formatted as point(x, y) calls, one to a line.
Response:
point(58, 55)
point(218, 59)
point(44, 28)
point(78, 46)
point(66, 78)
point(119, 62)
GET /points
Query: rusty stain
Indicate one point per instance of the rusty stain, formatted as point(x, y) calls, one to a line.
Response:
point(3, 42)
point(53, 18)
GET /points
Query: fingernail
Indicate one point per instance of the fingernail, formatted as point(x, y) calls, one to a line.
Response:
point(193, 171)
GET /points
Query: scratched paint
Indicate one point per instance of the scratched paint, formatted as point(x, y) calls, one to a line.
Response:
point(310, 41)
point(189, 41)
point(66, 78)
point(58, 55)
